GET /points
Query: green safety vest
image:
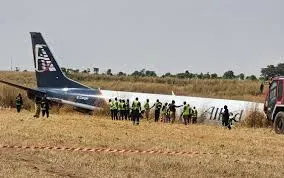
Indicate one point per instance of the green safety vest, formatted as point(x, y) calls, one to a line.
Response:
point(186, 110)
point(112, 105)
point(123, 106)
point(43, 105)
point(120, 107)
point(158, 105)
point(18, 101)
point(135, 105)
point(146, 106)
point(116, 104)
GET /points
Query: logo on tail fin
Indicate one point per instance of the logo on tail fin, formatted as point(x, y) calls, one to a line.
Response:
point(42, 60)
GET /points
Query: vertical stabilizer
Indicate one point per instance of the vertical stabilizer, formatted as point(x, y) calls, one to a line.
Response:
point(48, 72)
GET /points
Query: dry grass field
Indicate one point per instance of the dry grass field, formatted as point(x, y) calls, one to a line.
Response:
point(240, 152)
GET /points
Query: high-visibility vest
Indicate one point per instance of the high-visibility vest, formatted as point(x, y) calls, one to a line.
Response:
point(146, 106)
point(123, 106)
point(18, 101)
point(116, 105)
point(135, 105)
point(158, 105)
point(43, 105)
point(112, 105)
point(186, 110)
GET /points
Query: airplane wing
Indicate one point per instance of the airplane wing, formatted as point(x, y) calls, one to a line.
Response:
point(29, 90)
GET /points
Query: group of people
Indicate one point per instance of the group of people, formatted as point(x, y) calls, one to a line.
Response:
point(41, 105)
point(122, 110)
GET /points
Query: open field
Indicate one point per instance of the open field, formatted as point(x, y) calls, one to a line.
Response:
point(238, 152)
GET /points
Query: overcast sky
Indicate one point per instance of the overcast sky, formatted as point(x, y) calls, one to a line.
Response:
point(161, 35)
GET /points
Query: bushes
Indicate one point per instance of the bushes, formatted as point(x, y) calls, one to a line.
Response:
point(256, 119)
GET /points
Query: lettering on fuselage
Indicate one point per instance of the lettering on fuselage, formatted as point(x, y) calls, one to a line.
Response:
point(85, 98)
point(214, 113)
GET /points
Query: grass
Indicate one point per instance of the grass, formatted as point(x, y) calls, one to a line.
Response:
point(243, 152)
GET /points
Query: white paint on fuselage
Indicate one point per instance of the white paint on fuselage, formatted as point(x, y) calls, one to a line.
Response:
point(201, 104)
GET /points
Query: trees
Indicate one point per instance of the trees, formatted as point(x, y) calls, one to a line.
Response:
point(214, 76)
point(229, 75)
point(121, 74)
point(241, 76)
point(143, 73)
point(252, 77)
point(272, 71)
point(109, 72)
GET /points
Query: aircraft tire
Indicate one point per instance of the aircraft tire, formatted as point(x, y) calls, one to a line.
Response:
point(279, 123)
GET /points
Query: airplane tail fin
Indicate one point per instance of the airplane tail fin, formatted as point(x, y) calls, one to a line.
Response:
point(48, 72)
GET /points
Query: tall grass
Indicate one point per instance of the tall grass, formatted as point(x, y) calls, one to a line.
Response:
point(8, 98)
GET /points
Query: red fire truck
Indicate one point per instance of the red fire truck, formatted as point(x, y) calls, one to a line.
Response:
point(274, 104)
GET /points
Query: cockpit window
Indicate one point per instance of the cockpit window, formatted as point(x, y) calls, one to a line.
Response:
point(272, 93)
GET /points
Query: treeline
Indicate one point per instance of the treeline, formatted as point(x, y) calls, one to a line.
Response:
point(272, 71)
point(183, 75)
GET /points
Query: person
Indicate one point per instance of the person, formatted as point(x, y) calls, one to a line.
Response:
point(111, 107)
point(185, 113)
point(194, 115)
point(226, 117)
point(136, 107)
point(167, 114)
point(115, 108)
point(158, 106)
point(172, 108)
point(45, 107)
point(164, 113)
point(147, 109)
point(261, 88)
point(127, 112)
point(119, 109)
point(37, 106)
point(123, 109)
point(19, 102)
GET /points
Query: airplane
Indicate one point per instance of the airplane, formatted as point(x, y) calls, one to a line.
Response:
point(57, 87)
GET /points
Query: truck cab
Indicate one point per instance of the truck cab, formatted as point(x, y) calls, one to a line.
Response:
point(274, 104)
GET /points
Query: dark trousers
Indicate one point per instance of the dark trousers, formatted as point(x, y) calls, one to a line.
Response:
point(194, 119)
point(45, 112)
point(112, 113)
point(18, 108)
point(115, 114)
point(157, 115)
point(122, 114)
point(186, 120)
point(135, 117)
point(225, 122)
point(126, 114)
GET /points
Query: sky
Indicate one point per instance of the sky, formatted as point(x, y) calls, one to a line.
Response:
point(161, 35)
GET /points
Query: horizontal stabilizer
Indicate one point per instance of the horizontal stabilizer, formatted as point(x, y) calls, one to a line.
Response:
point(29, 90)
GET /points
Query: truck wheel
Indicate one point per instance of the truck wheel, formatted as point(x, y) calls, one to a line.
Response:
point(279, 123)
